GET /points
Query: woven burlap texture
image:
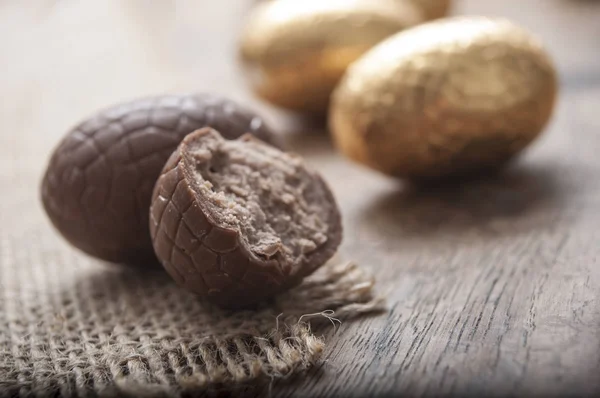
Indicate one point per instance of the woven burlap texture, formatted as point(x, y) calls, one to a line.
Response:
point(72, 327)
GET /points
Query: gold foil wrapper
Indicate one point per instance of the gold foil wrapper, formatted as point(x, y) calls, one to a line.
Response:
point(431, 9)
point(451, 96)
point(295, 52)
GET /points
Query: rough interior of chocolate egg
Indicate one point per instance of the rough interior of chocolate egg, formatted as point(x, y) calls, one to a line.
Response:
point(280, 208)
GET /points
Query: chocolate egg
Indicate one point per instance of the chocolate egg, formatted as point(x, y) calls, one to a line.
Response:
point(447, 97)
point(295, 52)
point(237, 221)
point(97, 188)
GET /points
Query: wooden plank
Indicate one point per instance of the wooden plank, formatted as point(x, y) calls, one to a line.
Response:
point(493, 285)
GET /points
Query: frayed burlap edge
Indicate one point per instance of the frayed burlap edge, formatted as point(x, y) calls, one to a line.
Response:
point(279, 340)
point(291, 347)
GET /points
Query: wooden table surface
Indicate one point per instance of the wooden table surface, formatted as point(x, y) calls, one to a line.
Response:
point(493, 286)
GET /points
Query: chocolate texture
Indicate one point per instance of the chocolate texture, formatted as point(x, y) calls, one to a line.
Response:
point(239, 221)
point(98, 184)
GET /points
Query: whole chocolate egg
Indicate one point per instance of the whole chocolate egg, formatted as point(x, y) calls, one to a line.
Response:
point(98, 184)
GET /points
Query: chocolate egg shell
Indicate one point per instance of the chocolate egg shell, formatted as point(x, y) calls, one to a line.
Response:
point(448, 97)
point(239, 221)
point(98, 184)
point(295, 52)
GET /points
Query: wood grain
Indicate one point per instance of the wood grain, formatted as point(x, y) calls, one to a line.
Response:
point(493, 284)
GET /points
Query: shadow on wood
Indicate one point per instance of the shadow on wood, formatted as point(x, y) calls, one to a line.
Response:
point(514, 200)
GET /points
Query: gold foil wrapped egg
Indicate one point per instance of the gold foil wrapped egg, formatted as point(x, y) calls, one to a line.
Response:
point(447, 97)
point(295, 52)
point(431, 9)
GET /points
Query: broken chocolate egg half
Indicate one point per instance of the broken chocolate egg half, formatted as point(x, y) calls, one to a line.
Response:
point(238, 221)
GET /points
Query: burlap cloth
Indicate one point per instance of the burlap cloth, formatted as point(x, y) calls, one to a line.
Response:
point(70, 326)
